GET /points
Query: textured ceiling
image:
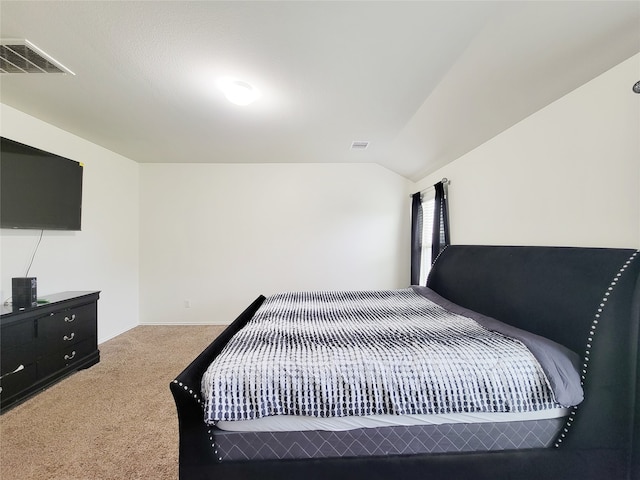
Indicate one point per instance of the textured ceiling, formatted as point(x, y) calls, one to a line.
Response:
point(423, 81)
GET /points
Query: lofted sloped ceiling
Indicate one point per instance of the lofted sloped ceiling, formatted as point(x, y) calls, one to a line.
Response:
point(422, 81)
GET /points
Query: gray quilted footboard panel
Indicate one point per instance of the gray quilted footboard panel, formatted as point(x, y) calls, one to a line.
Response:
point(400, 440)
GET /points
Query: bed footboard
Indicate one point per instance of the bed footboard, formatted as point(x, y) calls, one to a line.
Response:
point(195, 443)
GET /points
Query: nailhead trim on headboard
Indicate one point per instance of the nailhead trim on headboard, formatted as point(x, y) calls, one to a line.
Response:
point(434, 262)
point(213, 445)
point(190, 390)
point(197, 399)
point(592, 332)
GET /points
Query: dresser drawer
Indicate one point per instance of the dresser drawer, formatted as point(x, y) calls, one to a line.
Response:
point(12, 358)
point(66, 357)
point(17, 335)
point(62, 329)
point(16, 379)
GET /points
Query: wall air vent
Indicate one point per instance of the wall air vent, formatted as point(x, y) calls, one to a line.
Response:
point(22, 56)
point(359, 145)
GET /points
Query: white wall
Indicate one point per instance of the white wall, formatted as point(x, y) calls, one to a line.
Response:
point(568, 175)
point(217, 235)
point(157, 235)
point(104, 255)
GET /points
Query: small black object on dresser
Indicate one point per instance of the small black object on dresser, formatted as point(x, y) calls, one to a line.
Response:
point(24, 292)
point(41, 345)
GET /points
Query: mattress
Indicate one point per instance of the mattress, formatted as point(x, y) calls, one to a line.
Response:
point(284, 437)
point(389, 440)
point(292, 423)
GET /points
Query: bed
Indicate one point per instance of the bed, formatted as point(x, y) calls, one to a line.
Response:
point(583, 300)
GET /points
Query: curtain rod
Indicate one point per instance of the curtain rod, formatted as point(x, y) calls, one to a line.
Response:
point(445, 181)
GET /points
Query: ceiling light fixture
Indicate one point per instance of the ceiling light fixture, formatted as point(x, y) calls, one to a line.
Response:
point(238, 92)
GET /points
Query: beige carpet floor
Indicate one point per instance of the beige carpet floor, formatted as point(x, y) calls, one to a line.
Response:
point(115, 420)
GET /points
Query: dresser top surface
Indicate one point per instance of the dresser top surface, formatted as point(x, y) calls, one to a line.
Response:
point(46, 301)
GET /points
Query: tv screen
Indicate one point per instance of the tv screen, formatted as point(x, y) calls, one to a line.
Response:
point(38, 190)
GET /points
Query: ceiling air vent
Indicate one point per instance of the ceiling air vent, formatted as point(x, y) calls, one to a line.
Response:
point(22, 56)
point(359, 145)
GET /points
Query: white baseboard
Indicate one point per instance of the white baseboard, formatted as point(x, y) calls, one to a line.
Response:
point(102, 340)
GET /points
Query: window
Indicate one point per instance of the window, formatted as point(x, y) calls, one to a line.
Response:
point(428, 206)
point(429, 229)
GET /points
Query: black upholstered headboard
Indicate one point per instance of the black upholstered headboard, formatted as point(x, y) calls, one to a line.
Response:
point(587, 299)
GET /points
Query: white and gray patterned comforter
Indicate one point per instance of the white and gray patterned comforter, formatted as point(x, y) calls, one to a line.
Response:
point(367, 353)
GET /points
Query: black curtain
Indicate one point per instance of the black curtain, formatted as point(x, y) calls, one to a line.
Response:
point(440, 222)
point(416, 237)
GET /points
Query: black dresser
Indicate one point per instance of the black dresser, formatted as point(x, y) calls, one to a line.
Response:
point(41, 345)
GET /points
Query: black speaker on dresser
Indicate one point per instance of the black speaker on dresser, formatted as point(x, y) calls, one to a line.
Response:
point(24, 292)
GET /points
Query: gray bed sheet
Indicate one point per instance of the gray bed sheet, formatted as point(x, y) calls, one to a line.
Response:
point(560, 364)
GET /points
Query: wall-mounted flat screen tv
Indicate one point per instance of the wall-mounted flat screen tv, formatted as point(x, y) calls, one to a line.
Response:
point(38, 190)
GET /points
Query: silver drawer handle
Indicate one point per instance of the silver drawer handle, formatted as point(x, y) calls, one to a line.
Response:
point(73, 334)
point(70, 357)
point(20, 367)
point(69, 320)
